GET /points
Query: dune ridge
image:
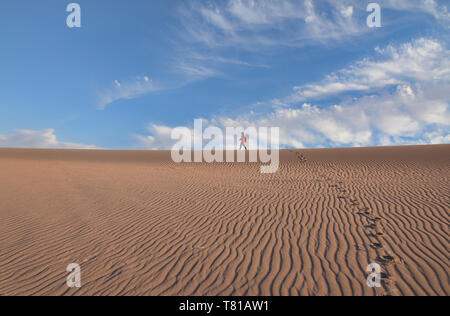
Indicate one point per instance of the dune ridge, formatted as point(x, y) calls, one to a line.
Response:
point(139, 224)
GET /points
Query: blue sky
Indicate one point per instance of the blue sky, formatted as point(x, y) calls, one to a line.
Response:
point(136, 69)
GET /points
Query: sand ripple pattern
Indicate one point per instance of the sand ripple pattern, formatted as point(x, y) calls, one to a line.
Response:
point(139, 224)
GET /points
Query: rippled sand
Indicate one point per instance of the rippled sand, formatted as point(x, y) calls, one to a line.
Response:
point(138, 224)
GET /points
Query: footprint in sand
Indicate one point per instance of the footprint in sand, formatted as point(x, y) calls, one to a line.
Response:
point(365, 210)
point(364, 214)
point(354, 204)
point(376, 246)
point(374, 220)
point(373, 224)
point(386, 260)
point(301, 157)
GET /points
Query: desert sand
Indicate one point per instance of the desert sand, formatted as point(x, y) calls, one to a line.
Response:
point(139, 224)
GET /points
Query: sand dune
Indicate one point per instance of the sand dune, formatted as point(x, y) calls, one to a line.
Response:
point(139, 224)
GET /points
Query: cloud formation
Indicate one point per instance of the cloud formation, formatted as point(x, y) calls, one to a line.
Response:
point(405, 100)
point(129, 89)
point(416, 117)
point(37, 139)
point(252, 24)
point(435, 8)
point(421, 60)
point(159, 138)
point(218, 28)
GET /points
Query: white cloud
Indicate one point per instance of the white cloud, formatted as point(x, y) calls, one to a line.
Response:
point(431, 7)
point(215, 17)
point(126, 90)
point(218, 28)
point(439, 137)
point(250, 24)
point(222, 60)
point(195, 71)
point(388, 119)
point(420, 60)
point(416, 111)
point(211, 31)
point(159, 138)
point(347, 11)
point(37, 139)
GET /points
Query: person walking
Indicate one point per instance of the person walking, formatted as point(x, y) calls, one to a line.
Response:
point(243, 141)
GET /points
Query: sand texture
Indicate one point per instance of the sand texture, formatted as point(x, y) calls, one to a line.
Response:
point(139, 224)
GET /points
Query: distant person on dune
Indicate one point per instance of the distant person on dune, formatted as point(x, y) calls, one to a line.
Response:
point(243, 141)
